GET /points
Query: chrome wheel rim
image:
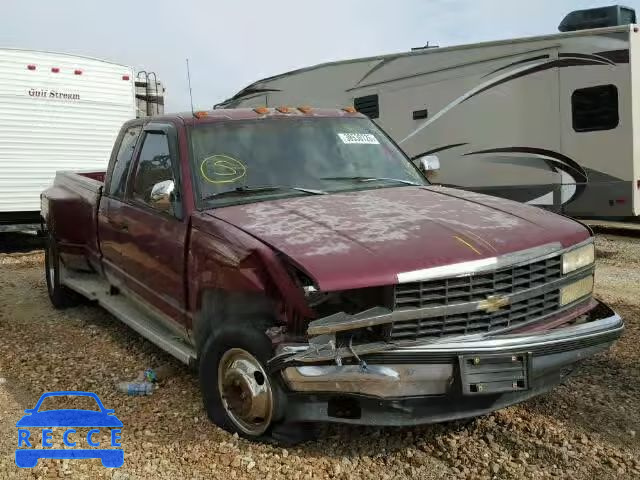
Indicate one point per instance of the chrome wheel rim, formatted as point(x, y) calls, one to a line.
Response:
point(245, 391)
point(50, 267)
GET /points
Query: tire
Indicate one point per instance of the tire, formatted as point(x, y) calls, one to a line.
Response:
point(60, 296)
point(250, 349)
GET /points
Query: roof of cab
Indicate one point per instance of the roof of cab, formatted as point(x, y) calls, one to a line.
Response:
point(209, 116)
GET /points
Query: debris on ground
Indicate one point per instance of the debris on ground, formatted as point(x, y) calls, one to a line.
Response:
point(142, 385)
point(135, 389)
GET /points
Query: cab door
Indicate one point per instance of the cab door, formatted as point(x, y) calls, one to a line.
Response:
point(111, 224)
point(152, 253)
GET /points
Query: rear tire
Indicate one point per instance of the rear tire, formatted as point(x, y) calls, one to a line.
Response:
point(239, 394)
point(60, 296)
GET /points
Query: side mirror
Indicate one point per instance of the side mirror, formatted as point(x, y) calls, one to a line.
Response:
point(160, 197)
point(427, 164)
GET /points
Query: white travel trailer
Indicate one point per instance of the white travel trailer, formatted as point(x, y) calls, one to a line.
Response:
point(548, 120)
point(57, 112)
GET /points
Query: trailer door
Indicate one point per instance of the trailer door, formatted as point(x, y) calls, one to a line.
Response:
point(597, 134)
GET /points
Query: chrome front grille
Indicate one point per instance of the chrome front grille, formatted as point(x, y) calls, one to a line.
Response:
point(474, 288)
point(477, 288)
point(477, 321)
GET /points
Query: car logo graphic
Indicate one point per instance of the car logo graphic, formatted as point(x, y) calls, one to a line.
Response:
point(69, 418)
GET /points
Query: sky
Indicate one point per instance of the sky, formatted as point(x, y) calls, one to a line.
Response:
point(230, 44)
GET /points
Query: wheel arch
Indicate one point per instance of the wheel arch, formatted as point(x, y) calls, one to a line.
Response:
point(219, 308)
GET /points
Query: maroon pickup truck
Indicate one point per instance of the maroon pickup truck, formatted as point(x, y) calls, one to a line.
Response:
point(311, 272)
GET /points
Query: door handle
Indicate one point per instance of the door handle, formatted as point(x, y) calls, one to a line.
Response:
point(122, 226)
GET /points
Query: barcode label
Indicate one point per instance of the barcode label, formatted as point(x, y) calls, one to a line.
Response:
point(363, 138)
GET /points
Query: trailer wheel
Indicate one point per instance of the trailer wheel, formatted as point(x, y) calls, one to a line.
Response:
point(239, 394)
point(60, 296)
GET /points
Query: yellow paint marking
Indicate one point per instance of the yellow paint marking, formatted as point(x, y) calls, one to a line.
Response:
point(223, 169)
point(464, 242)
point(484, 242)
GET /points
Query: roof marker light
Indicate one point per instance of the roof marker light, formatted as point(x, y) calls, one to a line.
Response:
point(350, 110)
point(77, 72)
point(31, 67)
point(201, 114)
point(283, 109)
point(305, 109)
point(261, 110)
point(55, 70)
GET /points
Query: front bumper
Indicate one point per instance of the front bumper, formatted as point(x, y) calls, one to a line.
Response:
point(424, 383)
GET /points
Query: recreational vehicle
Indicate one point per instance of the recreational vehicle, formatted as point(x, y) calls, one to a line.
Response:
point(548, 120)
point(60, 112)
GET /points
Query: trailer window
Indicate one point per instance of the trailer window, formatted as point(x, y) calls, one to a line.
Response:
point(595, 108)
point(123, 160)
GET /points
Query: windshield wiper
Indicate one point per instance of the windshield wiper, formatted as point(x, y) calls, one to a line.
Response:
point(374, 179)
point(247, 190)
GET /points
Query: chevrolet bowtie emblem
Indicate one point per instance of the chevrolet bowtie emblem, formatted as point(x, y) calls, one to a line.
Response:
point(493, 303)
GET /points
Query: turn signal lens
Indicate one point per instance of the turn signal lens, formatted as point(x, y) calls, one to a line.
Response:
point(201, 114)
point(350, 110)
point(284, 109)
point(576, 291)
point(578, 258)
point(261, 110)
point(306, 109)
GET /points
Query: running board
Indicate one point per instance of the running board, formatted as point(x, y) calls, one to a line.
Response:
point(93, 287)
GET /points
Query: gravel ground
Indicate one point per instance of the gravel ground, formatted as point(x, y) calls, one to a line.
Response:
point(587, 428)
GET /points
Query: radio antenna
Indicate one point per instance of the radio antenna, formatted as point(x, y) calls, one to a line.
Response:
point(190, 91)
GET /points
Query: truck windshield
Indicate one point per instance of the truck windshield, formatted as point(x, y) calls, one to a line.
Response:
point(237, 162)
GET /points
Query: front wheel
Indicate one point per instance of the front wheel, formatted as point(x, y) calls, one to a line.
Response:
point(239, 394)
point(60, 296)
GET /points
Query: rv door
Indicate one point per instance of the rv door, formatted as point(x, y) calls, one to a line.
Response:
point(597, 133)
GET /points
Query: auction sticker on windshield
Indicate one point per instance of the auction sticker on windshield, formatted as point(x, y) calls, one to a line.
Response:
point(362, 138)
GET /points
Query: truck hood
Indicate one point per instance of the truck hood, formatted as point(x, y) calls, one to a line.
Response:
point(366, 238)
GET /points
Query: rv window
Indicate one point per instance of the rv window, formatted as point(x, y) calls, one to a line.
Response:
point(123, 160)
point(367, 105)
point(595, 108)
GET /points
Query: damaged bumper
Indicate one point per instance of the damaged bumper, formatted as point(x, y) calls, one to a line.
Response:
point(446, 379)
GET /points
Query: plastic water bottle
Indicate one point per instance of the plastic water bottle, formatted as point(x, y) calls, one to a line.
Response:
point(136, 389)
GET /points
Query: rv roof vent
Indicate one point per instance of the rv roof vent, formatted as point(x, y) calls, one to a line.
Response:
point(598, 18)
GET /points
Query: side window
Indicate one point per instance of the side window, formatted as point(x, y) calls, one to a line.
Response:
point(123, 160)
point(595, 108)
point(154, 166)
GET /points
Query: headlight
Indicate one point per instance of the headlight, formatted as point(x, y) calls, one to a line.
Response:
point(578, 258)
point(576, 290)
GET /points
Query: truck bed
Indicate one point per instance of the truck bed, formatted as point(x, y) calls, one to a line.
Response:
point(78, 195)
